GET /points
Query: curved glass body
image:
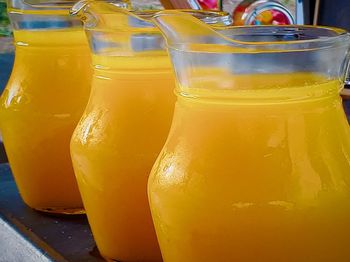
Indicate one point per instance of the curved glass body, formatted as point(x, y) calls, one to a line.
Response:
point(123, 129)
point(42, 103)
point(256, 165)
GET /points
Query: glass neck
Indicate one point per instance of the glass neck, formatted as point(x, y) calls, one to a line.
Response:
point(40, 15)
point(39, 5)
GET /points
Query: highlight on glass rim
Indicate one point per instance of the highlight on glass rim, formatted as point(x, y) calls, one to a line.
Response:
point(175, 131)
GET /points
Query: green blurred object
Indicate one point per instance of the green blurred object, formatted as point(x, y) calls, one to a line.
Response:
point(4, 21)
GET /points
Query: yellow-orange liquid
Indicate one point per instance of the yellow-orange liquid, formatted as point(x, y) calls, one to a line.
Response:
point(40, 107)
point(114, 147)
point(260, 174)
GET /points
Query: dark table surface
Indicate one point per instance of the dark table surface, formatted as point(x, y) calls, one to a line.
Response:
point(45, 237)
point(6, 62)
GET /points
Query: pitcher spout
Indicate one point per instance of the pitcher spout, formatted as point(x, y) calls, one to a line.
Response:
point(182, 28)
point(90, 11)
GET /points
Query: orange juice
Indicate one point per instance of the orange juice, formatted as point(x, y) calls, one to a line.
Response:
point(40, 108)
point(255, 174)
point(114, 147)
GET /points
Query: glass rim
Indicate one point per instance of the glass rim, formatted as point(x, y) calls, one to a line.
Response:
point(211, 17)
point(80, 8)
point(339, 36)
point(42, 5)
point(292, 29)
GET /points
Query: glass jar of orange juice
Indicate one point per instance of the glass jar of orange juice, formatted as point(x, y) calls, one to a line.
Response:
point(43, 101)
point(256, 166)
point(123, 127)
point(262, 12)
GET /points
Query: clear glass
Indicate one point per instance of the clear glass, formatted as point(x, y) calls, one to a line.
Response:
point(43, 101)
point(123, 127)
point(256, 166)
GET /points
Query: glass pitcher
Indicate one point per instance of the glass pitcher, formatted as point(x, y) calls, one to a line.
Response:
point(124, 126)
point(256, 166)
point(43, 101)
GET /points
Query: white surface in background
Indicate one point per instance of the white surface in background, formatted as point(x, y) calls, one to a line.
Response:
point(15, 248)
